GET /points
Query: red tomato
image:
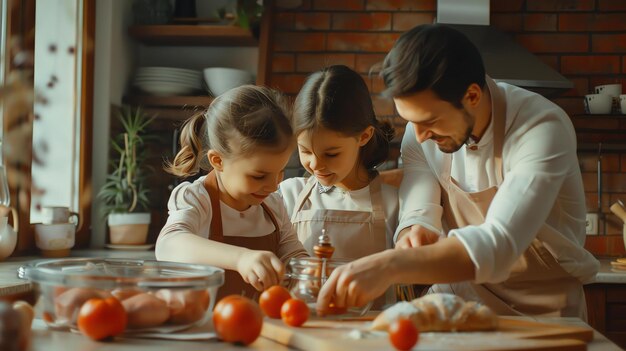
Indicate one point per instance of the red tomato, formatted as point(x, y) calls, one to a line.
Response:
point(272, 299)
point(47, 317)
point(403, 334)
point(237, 319)
point(102, 318)
point(294, 312)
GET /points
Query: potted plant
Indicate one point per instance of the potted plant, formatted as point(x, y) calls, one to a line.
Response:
point(125, 193)
point(249, 13)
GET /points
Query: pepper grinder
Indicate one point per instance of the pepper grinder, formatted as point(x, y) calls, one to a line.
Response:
point(324, 251)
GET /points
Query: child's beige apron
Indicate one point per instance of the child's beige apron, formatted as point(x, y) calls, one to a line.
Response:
point(538, 285)
point(354, 234)
point(234, 283)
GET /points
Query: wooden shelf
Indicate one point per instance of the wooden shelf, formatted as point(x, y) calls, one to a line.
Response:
point(193, 35)
point(168, 101)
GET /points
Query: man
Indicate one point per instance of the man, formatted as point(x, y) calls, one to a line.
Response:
point(492, 200)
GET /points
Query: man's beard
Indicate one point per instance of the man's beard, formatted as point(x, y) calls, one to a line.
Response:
point(467, 118)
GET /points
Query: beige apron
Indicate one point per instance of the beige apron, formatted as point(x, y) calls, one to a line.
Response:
point(234, 283)
point(354, 234)
point(537, 285)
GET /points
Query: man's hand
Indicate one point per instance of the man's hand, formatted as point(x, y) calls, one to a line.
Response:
point(356, 283)
point(416, 236)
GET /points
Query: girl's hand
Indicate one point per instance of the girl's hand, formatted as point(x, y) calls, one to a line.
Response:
point(261, 269)
point(416, 236)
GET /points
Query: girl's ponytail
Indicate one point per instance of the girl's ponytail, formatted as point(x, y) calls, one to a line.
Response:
point(192, 148)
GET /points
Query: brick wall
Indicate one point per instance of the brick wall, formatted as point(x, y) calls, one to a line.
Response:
point(583, 39)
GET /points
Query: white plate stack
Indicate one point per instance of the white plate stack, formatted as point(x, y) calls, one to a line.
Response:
point(164, 81)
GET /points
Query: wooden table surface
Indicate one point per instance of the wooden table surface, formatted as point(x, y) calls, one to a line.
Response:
point(44, 339)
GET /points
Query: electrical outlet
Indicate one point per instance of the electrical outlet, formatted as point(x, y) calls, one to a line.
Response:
point(591, 226)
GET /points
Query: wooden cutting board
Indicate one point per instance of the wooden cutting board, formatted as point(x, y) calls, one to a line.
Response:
point(512, 334)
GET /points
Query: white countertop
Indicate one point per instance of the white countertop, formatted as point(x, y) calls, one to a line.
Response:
point(607, 275)
point(10, 284)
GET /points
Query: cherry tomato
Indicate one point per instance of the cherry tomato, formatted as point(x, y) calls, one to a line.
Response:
point(237, 319)
point(294, 312)
point(102, 318)
point(403, 334)
point(272, 299)
point(47, 317)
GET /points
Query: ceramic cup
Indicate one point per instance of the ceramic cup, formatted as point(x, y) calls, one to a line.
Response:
point(613, 90)
point(622, 103)
point(55, 240)
point(58, 214)
point(598, 103)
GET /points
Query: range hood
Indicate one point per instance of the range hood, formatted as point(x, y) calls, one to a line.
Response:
point(505, 60)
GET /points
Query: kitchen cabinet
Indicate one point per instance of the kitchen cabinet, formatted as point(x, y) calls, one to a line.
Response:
point(606, 310)
point(204, 35)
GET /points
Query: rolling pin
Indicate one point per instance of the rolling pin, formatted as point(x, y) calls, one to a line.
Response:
point(619, 211)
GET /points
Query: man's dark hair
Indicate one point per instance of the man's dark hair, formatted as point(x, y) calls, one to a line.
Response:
point(436, 57)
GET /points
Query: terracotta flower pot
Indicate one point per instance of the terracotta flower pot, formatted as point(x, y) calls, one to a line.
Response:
point(128, 228)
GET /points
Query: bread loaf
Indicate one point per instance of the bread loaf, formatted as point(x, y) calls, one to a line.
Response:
point(439, 312)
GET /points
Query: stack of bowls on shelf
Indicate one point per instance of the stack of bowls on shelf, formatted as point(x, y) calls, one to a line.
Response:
point(164, 81)
point(605, 100)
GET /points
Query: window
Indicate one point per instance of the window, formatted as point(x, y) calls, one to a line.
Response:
point(58, 34)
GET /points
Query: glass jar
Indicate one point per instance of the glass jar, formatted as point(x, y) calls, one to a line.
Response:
point(305, 277)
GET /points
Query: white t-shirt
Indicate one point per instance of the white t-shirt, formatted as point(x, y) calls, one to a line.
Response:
point(339, 199)
point(190, 212)
point(542, 185)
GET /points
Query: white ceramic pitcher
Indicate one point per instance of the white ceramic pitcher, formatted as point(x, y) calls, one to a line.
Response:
point(8, 235)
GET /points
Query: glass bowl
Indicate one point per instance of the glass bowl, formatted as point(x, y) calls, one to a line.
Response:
point(158, 296)
point(305, 277)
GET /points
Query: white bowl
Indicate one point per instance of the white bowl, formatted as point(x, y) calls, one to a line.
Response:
point(613, 90)
point(222, 79)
